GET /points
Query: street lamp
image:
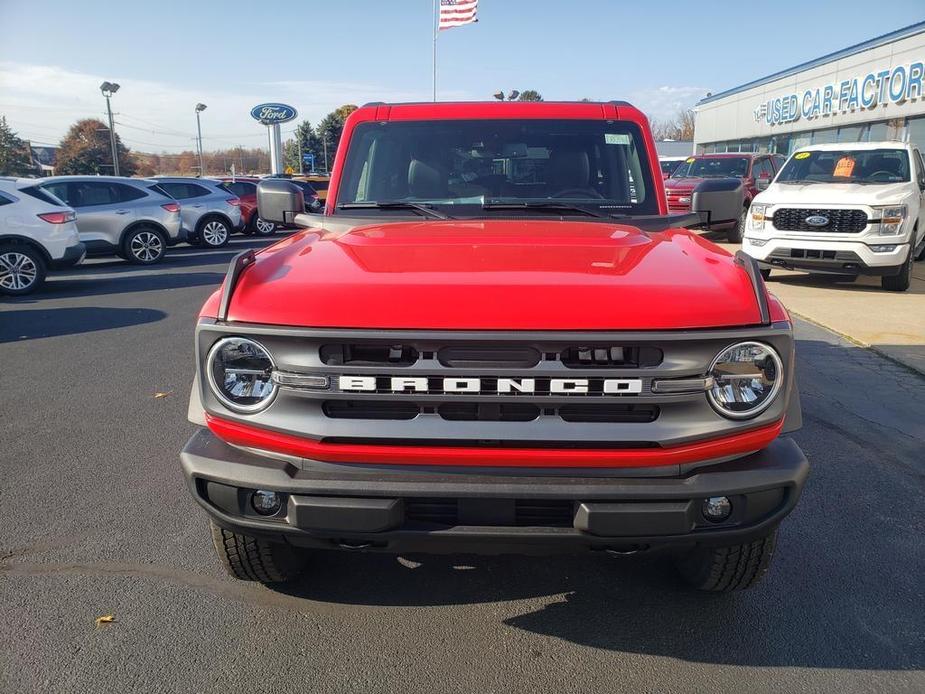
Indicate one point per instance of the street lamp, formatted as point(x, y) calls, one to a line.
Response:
point(108, 89)
point(199, 109)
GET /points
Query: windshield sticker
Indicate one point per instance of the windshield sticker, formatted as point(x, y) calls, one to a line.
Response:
point(801, 155)
point(844, 167)
point(616, 139)
point(689, 160)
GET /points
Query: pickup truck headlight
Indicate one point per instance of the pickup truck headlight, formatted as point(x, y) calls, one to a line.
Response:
point(891, 219)
point(756, 217)
point(239, 372)
point(746, 378)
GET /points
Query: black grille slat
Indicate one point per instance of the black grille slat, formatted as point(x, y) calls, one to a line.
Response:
point(488, 412)
point(609, 413)
point(610, 356)
point(840, 221)
point(370, 409)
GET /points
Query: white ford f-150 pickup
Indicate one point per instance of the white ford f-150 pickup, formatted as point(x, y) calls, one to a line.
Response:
point(853, 209)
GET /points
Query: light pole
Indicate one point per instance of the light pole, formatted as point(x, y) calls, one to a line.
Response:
point(199, 109)
point(108, 89)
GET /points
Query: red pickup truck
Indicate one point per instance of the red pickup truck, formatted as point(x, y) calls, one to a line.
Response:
point(755, 170)
point(495, 339)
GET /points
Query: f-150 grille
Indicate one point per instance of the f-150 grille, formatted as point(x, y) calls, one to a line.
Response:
point(838, 221)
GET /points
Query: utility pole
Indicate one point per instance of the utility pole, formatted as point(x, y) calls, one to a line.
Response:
point(324, 141)
point(199, 109)
point(298, 138)
point(108, 89)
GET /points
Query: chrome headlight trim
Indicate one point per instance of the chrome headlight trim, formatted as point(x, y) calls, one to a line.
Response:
point(216, 389)
point(768, 401)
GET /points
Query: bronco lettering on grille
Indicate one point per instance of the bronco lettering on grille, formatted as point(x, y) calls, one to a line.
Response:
point(513, 386)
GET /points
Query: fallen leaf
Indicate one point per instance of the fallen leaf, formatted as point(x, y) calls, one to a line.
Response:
point(105, 619)
point(162, 395)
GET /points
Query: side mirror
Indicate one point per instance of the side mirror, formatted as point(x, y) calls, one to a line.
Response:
point(279, 201)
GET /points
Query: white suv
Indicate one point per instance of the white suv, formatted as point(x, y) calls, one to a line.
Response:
point(849, 208)
point(37, 232)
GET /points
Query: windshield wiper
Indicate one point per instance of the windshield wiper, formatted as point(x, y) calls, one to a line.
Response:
point(801, 181)
point(539, 205)
point(418, 207)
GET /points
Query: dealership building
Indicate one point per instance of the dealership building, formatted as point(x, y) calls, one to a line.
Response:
point(869, 92)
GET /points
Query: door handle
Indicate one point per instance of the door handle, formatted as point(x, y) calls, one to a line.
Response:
point(122, 211)
point(196, 206)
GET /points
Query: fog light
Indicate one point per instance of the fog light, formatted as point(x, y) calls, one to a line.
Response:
point(265, 503)
point(757, 243)
point(716, 508)
point(888, 248)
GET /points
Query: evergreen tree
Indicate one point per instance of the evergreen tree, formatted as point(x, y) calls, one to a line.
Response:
point(15, 158)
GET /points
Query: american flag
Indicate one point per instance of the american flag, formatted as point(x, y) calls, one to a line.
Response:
point(455, 13)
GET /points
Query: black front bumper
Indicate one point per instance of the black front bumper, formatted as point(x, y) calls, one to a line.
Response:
point(333, 506)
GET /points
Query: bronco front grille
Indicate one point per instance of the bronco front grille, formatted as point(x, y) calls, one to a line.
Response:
point(525, 513)
point(839, 221)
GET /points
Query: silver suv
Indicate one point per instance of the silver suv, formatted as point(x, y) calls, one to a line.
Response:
point(127, 217)
point(209, 211)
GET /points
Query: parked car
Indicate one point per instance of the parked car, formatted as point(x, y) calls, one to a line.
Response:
point(246, 190)
point(668, 165)
point(37, 233)
point(209, 211)
point(126, 217)
point(319, 183)
point(483, 356)
point(755, 170)
point(848, 209)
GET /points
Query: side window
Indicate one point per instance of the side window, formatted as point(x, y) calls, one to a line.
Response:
point(90, 194)
point(124, 193)
point(779, 160)
point(762, 169)
point(240, 188)
point(4, 200)
point(184, 191)
point(60, 191)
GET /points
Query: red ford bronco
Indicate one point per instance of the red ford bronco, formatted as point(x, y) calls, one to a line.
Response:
point(494, 340)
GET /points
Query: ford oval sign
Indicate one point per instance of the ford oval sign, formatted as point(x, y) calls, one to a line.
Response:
point(268, 114)
point(817, 220)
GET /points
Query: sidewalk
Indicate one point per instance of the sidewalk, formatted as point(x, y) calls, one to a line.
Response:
point(891, 323)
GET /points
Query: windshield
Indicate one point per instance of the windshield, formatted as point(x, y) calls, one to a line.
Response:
point(712, 167)
point(468, 165)
point(847, 166)
point(669, 166)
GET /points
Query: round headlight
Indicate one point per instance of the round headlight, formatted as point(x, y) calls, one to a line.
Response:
point(746, 379)
point(239, 372)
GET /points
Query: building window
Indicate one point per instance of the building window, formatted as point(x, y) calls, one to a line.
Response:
point(822, 137)
point(915, 131)
point(852, 133)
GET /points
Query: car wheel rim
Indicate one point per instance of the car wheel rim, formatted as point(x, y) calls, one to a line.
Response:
point(214, 233)
point(265, 227)
point(146, 246)
point(17, 271)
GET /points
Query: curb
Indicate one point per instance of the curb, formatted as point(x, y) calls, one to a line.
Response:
point(853, 340)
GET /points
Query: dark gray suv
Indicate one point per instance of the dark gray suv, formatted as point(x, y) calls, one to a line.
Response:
point(127, 217)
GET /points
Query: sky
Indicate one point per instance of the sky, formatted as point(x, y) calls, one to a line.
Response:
point(231, 55)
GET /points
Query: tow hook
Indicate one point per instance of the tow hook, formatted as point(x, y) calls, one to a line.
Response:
point(626, 551)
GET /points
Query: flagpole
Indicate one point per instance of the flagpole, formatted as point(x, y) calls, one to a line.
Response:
point(435, 48)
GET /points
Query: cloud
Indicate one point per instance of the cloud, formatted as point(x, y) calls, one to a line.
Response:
point(42, 101)
point(663, 103)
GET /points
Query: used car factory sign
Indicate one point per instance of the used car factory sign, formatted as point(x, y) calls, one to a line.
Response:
point(268, 114)
point(891, 86)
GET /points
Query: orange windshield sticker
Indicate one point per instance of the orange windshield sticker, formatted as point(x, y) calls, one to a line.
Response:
point(844, 167)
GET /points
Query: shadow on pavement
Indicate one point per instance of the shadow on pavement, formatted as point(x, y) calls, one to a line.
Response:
point(73, 286)
point(30, 324)
point(177, 257)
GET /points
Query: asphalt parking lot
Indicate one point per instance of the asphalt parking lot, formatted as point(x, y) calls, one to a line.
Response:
point(95, 520)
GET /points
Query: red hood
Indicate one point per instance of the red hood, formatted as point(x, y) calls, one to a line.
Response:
point(491, 275)
point(681, 185)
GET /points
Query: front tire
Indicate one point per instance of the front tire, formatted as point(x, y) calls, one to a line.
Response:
point(255, 559)
point(214, 233)
point(22, 270)
point(144, 246)
point(900, 282)
point(730, 568)
point(735, 234)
